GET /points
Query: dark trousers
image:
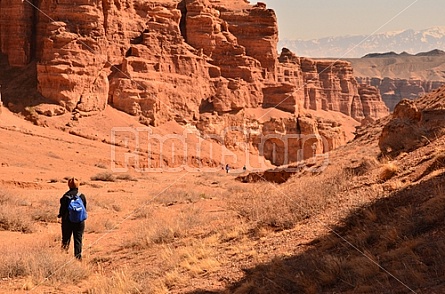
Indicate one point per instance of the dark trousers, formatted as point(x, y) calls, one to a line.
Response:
point(68, 229)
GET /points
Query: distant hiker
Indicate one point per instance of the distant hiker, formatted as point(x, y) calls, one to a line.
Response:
point(72, 211)
point(244, 168)
point(227, 168)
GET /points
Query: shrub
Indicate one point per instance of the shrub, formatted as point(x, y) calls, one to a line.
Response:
point(101, 165)
point(126, 177)
point(388, 171)
point(105, 177)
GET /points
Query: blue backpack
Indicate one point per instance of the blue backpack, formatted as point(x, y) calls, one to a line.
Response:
point(76, 210)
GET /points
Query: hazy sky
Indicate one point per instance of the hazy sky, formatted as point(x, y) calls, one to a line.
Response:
point(313, 19)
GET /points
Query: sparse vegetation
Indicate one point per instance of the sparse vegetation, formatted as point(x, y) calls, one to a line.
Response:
point(101, 165)
point(105, 177)
point(46, 211)
point(126, 177)
point(40, 264)
point(269, 206)
point(12, 219)
point(178, 196)
point(360, 225)
point(165, 230)
point(110, 177)
point(388, 171)
point(12, 214)
point(119, 282)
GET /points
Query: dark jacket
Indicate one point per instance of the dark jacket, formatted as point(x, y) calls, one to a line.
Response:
point(65, 201)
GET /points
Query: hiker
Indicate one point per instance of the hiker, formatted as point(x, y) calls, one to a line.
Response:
point(227, 168)
point(72, 223)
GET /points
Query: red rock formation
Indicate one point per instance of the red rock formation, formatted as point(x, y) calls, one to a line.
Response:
point(136, 55)
point(256, 29)
point(324, 85)
point(414, 123)
point(164, 60)
point(16, 31)
point(72, 53)
point(394, 90)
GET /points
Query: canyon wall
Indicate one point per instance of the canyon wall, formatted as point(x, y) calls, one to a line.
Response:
point(173, 60)
point(323, 85)
point(394, 90)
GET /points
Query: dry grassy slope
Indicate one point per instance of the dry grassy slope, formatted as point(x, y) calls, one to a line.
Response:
point(428, 68)
point(206, 233)
point(391, 243)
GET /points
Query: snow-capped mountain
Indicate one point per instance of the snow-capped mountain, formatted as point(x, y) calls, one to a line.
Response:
point(357, 46)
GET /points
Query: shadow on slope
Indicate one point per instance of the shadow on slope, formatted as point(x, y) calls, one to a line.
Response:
point(395, 245)
point(18, 86)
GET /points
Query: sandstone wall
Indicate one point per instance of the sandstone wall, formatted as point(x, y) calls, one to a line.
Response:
point(16, 31)
point(174, 60)
point(395, 90)
point(323, 85)
point(163, 59)
point(414, 124)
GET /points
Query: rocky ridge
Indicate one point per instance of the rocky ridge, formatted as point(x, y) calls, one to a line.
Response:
point(393, 90)
point(414, 124)
point(401, 76)
point(193, 61)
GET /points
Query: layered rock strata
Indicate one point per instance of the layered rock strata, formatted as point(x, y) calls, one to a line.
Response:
point(414, 124)
point(324, 85)
point(393, 91)
point(17, 22)
point(173, 60)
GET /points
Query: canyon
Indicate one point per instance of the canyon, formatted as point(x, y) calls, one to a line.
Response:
point(202, 63)
point(145, 102)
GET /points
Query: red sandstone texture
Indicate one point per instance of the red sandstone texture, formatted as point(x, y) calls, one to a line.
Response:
point(414, 124)
point(193, 61)
point(394, 90)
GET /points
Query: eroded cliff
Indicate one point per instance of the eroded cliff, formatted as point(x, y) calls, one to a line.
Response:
point(173, 60)
point(394, 90)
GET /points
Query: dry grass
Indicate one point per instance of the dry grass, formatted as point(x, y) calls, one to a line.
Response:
point(388, 170)
point(41, 265)
point(166, 229)
point(168, 240)
point(194, 259)
point(13, 219)
point(126, 177)
point(13, 216)
point(270, 206)
point(197, 258)
point(104, 176)
point(110, 177)
point(366, 165)
point(119, 282)
point(46, 211)
point(101, 165)
point(179, 195)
